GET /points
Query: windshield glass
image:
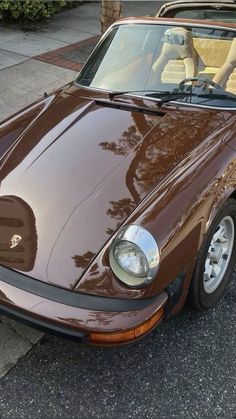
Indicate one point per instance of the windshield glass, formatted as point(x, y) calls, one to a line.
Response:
point(154, 57)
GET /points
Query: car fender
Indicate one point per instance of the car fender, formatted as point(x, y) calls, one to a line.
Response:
point(176, 212)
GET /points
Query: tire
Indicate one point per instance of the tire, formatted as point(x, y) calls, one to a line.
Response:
point(209, 281)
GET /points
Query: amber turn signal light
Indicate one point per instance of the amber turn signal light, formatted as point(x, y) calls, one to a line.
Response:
point(129, 335)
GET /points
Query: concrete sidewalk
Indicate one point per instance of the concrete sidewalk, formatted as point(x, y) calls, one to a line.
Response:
point(24, 79)
point(66, 28)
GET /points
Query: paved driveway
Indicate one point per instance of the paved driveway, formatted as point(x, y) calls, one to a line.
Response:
point(184, 369)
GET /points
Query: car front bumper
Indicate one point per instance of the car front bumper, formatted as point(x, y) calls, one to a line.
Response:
point(87, 318)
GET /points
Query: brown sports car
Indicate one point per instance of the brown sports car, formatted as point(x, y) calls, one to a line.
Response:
point(118, 191)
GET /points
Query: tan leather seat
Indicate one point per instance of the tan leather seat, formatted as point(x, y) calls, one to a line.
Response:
point(177, 60)
point(231, 84)
point(226, 76)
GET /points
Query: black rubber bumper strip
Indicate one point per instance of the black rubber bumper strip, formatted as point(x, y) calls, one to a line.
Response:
point(44, 326)
point(72, 298)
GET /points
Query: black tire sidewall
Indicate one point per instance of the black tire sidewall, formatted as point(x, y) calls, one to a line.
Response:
point(198, 296)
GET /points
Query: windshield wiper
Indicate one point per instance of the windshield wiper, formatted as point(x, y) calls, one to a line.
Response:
point(208, 96)
point(215, 95)
point(173, 95)
point(167, 96)
point(126, 92)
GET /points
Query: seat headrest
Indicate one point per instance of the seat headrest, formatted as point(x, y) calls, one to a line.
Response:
point(178, 43)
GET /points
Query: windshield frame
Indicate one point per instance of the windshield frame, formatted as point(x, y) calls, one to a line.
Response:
point(163, 22)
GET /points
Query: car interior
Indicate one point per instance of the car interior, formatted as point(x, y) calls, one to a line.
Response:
point(186, 55)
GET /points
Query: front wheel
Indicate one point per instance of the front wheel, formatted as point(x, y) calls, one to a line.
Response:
point(216, 259)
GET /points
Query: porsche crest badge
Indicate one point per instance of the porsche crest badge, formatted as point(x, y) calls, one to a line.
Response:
point(14, 241)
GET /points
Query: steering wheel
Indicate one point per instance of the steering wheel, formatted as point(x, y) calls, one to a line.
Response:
point(205, 83)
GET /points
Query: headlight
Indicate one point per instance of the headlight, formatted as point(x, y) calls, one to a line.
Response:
point(134, 256)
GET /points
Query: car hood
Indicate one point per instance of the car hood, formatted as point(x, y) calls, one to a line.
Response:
point(77, 173)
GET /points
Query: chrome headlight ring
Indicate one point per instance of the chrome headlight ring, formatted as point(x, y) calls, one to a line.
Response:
point(134, 256)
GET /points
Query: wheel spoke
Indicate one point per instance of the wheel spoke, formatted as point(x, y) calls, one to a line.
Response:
point(206, 277)
point(219, 234)
point(208, 270)
point(215, 270)
point(225, 247)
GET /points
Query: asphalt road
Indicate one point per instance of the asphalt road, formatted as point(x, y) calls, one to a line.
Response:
point(184, 369)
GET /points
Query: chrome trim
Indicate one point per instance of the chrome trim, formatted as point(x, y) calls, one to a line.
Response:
point(144, 240)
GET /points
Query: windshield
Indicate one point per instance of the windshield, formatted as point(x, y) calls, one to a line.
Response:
point(154, 57)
